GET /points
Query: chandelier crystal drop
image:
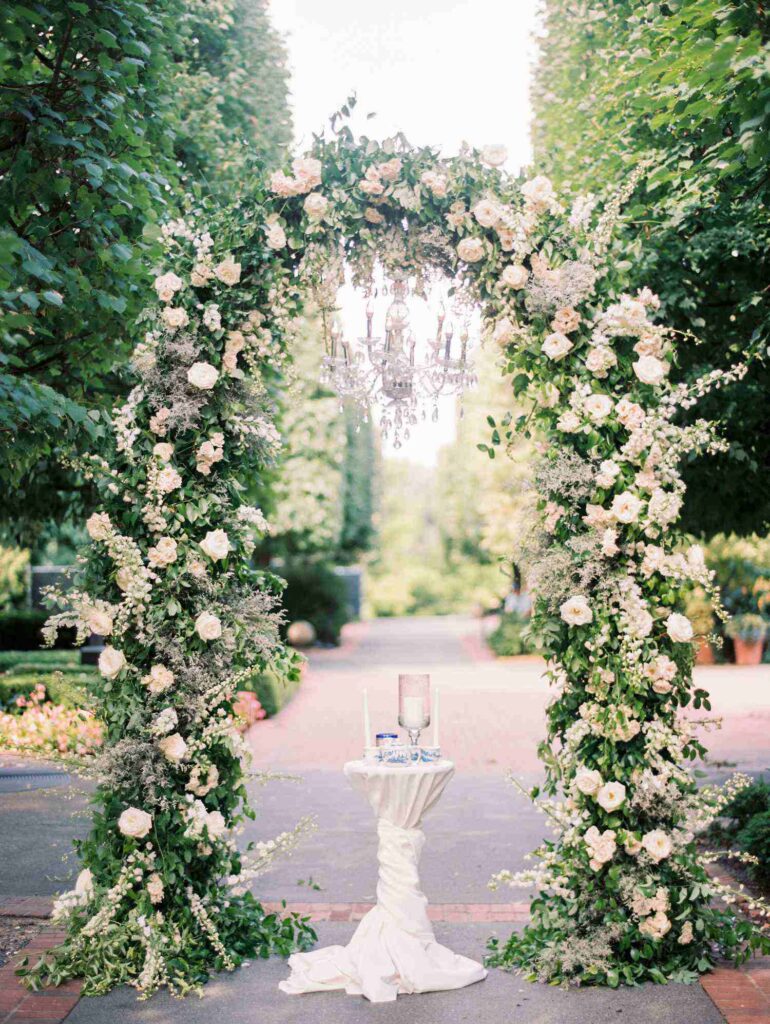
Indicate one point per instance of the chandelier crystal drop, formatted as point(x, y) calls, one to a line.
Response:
point(392, 372)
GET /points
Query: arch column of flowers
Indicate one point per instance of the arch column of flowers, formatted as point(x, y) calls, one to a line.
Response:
point(623, 896)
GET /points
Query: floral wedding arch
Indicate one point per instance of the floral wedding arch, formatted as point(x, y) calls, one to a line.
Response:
point(164, 894)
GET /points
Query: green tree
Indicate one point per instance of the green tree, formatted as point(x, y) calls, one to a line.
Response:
point(684, 86)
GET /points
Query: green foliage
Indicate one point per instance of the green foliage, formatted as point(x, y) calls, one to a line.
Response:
point(684, 87)
point(68, 689)
point(360, 480)
point(13, 577)
point(315, 594)
point(21, 631)
point(754, 838)
point(277, 684)
point(511, 637)
point(45, 660)
point(748, 802)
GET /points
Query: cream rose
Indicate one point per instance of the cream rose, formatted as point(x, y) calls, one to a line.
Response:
point(276, 236)
point(164, 553)
point(611, 796)
point(124, 578)
point(568, 422)
point(608, 470)
point(167, 285)
point(600, 359)
point(215, 824)
point(494, 155)
point(650, 370)
point(168, 480)
point(486, 213)
point(538, 192)
point(163, 451)
point(515, 276)
point(216, 544)
point(159, 679)
point(566, 320)
point(598, 407)
point(504, 331)
point(135, 823)
point(589, 782)
point(657, 844)
point(173, 748)
point(630, 414)
point(316, 206)
point(625, 507)
point(111, 662)
point(99, 526)
point(84, 885)
point(557, 345)
point(679, 628)
point(202, 376)
point(655, 927)
point(208, 626)
point(576, 611)
point(99, 622)
point(228, 271)
point(174, 317)
point(471, 250)
point(437, 183)
point(307, 171)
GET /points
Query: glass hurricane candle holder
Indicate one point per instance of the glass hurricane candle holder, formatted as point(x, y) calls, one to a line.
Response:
point(414, 705)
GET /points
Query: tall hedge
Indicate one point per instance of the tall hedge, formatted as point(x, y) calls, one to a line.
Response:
point(685, 86)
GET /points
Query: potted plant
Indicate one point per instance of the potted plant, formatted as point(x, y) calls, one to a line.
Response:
point(748, 634)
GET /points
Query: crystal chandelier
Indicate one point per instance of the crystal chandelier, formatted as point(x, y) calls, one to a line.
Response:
point(389, 371)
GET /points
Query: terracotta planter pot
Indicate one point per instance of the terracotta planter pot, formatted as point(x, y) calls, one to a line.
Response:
point(704, 655)
point(748, 652)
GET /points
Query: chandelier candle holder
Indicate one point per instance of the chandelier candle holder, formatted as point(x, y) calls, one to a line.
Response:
point(388, 371)
point(414, 705)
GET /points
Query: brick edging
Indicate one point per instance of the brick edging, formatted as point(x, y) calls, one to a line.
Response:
point(26, 906)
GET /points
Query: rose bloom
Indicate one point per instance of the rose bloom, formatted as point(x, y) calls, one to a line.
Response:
point(99, 526)
point(111, 662)
point(662, 668)
point(538, 192)
point(371, 188)
point(515, 276)
point(373, 216)
point(163, 451)
point(679, 628)
point(315, 206)
point(626, 507)
point(124, 578)
point(228, 271)
point(84, 885)
point(163, 554)
point(630, 414)
point(283, 185)
point(173, 748)
point(576, 611)
point(158, 424)
point(588, 782)
point(649, 345)
point(200, 275)
point(598, 407)
point(155, 888)
point(167, 285)
point(276, 236)
point(611, 796)
point(494, 155)
point(657, 844)
point(174, 317)
point(655, 927)
point(389, 170)
point(610, 543)
point(597, 516)
point(99, 621)
point(437, 183)
point(158, 679)
point(568, 422)
point(600, 359)
point(471, 250)
point(202, 376)
point(307, 171)
point(646, 480)
point(168, 480)
point(486, 213)
point(608, 470)
point(566, 320)
point(135, 823)
point(504, 331)
point(557, 345)
point(632, 845)
point(215, 824)
point(650, 370)
point(208, 626)
point(216, 544)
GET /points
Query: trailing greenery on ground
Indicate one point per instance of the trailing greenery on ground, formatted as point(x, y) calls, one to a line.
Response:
point(685, 86)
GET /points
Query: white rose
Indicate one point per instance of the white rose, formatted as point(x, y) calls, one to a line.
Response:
point(111, 662)
point(203, 376)
point(316, 206)
point(84, 885)
point(168, 480)
point(598, 407)
point(515, 276)
point(471, 250)
point(557, 345)
point(495, 155)
point(504, 331)
point(611, 796)
point(99, 526)
point(538, 192)
point(276, 236)
point(609, 543)
point(608, 470)
point(626, 507)
point(216, 544)
point(173, 748)
point(656, 926)
point(307, 171)
point(600, 359)
point(657, 844)
point(576, 611)
point(124, 578)
point(437, 183)
point(158, 679)
point(167, 285)
point(568, 422)
point(163, 451)
point(630, 414)
point(389, 170)
point(135, 823)
point(99, 622)
point(650, 370)
point(486, 213)
point(679, 628)
point(588, 782)
point(174, 317)
point(164, 553)
point(215, 824)
point(228, 271)
point(208, 626)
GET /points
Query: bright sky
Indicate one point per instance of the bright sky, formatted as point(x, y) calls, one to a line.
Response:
point(440, 72)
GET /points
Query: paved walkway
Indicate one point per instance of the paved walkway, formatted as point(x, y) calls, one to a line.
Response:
point(491, 721)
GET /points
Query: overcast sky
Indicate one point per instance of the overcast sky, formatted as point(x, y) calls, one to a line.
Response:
point(440, 72)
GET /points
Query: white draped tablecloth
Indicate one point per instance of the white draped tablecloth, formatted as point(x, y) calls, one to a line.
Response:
point(393, 950)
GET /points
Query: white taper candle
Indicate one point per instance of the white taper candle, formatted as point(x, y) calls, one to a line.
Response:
point(367, 723)
point(435, 716)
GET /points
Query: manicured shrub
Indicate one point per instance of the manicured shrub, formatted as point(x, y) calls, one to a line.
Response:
point(755, 839)
point(511, 637)
point(750, 802)
point(20, 631)
point(68, 690)
point(314, 593)
point(44, 660)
